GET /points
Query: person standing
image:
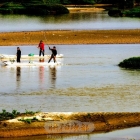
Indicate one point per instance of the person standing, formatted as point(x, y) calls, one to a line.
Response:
point(41, 46)
point(54, 53)
point(18, 54)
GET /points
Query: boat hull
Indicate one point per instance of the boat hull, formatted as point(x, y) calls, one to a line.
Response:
point(9, 64)
point(5, 56)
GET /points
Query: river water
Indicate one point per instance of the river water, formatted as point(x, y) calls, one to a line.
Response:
point(88, 79)
point(72, 21)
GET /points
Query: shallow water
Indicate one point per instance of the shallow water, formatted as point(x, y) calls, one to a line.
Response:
point(88, 80)
point(72, 21)
point(124, 134)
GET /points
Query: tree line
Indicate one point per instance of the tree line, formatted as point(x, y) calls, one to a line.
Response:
point(73, 1)
point(121, 4)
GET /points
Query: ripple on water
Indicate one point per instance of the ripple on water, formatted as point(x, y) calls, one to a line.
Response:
point(107, 98)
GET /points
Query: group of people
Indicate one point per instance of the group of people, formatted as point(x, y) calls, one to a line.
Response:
point(41, 47)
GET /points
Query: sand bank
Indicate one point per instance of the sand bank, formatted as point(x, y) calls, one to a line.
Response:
point(131, 36)
point(68, 123)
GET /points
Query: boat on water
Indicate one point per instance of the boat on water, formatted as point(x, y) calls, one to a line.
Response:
point(6, 56)
point(13, 64)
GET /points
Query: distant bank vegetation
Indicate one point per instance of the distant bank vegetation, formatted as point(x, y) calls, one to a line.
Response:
point(126, 8)
point(133, 12)
point(32, 8)
point(38, 7)
point(131, 63)
point(122, 8)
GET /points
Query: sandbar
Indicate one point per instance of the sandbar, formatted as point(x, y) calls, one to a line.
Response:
point(68, 123)
point(67, 37)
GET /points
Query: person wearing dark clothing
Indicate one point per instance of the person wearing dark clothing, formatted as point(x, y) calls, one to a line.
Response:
point(18, 54)
point(53, 55)
point(41, 47)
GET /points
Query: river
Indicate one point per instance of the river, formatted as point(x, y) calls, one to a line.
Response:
point(72, 21)
point(89, 78)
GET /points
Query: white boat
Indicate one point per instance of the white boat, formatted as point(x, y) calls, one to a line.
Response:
point(6, 56)
point(10, 64)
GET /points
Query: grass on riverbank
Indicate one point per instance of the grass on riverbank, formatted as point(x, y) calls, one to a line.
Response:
point(4, 115)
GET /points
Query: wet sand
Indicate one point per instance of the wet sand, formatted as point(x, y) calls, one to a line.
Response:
point(131, 36)
point(85, 122)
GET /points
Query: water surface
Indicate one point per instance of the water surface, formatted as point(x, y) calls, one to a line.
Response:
point(73, 21)
point(124, 134)
point(88, 80)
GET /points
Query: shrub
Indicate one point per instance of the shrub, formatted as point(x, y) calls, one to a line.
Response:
point(115, 12)
point(59, 9)
point(4, 115)
point(132, 63)
point(135, 12)
point(33, 9)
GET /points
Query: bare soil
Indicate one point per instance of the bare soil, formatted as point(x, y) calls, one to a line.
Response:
point(131, 36)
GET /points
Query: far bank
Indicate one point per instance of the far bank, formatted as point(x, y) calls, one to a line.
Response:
point(130, 36)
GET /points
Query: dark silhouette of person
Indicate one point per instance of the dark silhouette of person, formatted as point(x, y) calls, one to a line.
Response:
point(18, 54)
point(53, 55)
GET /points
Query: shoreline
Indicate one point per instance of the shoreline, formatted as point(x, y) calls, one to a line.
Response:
point(68, 123)
point(70, 37)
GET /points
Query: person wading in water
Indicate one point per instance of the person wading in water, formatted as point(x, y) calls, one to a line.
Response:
point(54, 53)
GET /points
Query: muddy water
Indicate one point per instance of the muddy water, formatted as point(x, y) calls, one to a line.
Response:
point(88, 80)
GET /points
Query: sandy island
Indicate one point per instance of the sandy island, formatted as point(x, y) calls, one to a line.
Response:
point(131, 36)
point(68, 123)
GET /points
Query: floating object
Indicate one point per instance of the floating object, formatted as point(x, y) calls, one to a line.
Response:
point(6, 56)
point(31, 56)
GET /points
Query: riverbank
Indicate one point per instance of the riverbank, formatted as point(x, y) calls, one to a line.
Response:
point(68, 123)
point(87, 8)
point(131, 36)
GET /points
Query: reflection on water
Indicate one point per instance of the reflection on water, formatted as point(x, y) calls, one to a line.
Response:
point(41, 74)
point(72, 21)
point(52, 73)
point(18, 77)
point(124, 134)
point(18, 73)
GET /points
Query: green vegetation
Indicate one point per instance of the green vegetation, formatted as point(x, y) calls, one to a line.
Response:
point(45, 7)
point(32, 8)
point(52, 1)
point(4, 115)
point(29, 112)
point(134, 12)
point(28, 120)
point(132, 63)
